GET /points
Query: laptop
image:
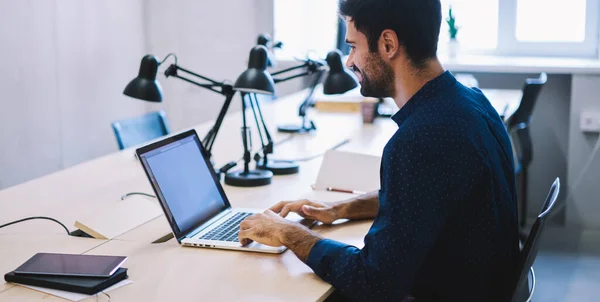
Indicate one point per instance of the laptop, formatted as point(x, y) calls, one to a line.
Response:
point(192, 197)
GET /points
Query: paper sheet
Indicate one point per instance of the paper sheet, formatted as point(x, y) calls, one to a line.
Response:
point(349, 171)
point(74, 296)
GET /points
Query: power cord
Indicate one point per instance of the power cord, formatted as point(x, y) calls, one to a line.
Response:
point(309, 158)
point(136, 193)
point(37, 217)
point(584, 171)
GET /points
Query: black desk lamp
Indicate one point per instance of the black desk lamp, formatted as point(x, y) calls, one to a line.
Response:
point(265, 40)
point(146, 87)
point(254, 80)
point(339, 80)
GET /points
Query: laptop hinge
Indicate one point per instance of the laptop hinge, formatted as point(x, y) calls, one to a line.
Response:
point(208, 223)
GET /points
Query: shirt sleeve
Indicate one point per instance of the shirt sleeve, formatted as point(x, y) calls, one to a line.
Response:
point(423, 182)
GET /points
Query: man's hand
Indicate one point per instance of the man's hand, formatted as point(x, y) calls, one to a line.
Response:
point(315, 210)
point(266, 228)
point(271, 229)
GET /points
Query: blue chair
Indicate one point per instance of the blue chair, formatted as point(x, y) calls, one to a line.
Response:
point(136, 131)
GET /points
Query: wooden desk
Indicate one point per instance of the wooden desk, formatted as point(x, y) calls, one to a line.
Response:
point(505, 101)
point(15, 249)
point(162, 272)
point(165, 270)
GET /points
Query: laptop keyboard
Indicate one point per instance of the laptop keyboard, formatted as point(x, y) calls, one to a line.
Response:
point(228, 230)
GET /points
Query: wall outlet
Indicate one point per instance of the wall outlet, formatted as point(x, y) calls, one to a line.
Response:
point(590, 121)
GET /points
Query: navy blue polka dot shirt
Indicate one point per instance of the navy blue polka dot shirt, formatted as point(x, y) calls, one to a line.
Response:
point(446, 229)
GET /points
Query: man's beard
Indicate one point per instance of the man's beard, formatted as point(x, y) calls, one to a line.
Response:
point(377, 78)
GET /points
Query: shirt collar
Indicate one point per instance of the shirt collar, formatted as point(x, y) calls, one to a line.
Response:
point(429, 90)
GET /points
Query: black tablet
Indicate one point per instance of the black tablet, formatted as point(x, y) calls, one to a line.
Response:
point(71, 265)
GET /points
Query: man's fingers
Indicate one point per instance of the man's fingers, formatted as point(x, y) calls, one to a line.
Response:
point(254, 217)
point(270, 213)
point(285, 211)
point(312, 211)
point(295, 206)
point(279, 206)
point(246, 224)
point(245, 236)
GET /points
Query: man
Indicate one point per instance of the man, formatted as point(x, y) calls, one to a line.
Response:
point(445, 221)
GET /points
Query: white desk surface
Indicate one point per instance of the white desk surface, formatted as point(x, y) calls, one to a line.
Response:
point(163, 270)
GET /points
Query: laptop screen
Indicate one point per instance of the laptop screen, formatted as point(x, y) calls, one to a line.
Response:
point(181, 176)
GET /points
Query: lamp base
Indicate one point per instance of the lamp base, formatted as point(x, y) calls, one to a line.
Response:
point(254, 178)
point(297, 128)
point(278, 167)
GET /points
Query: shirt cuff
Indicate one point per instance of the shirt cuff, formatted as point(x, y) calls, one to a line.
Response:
point(322, 254)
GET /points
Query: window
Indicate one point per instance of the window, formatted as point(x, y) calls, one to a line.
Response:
point(305, 27)
point(566, 28)
point(476, 30)
point(525, 27)
point(556, 23)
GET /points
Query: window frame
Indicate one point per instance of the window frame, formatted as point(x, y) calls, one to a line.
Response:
point(509, 45)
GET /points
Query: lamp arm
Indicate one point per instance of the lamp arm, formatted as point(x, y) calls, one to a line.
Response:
point(311, 67)
point(178, 68)
point(210, 137)
point(309, 98)
point(293, 77)
point(246, 139)
point(266, 147)
point(207, 86)
point(262, 127)
point(305, 64)
point(270, 144)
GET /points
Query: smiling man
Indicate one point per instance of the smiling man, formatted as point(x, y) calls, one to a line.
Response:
point(445, 219)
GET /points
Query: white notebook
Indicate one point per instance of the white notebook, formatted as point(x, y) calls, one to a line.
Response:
point(348, 171)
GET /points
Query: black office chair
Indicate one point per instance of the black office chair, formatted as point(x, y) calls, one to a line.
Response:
point(530, 248)
point(518, 126)
point(135, 131)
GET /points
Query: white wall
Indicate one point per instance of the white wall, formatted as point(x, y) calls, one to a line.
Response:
point(583, 206)
point(65, 63)
point(63, 68)
point(211, 38)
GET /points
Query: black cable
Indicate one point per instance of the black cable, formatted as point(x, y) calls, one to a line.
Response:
point(305, 159)
point(136, 193)
point(169, 55)
point(37, 217)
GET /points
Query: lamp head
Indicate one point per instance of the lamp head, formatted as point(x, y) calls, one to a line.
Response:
point(264, 40)
point(145, 86)
point(256, 79)
point(339, 80)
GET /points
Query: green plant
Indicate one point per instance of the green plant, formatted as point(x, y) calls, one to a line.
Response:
point(452, 28)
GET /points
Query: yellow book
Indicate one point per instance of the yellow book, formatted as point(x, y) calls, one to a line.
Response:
point(350, 101)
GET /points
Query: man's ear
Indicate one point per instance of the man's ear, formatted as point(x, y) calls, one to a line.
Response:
point(389, 44)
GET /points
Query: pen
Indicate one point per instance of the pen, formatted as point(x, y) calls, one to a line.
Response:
point(344, 191)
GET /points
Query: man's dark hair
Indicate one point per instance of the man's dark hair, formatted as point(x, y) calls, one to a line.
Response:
point(416, 23)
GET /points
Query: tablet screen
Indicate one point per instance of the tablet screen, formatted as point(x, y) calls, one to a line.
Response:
point(71, 265)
